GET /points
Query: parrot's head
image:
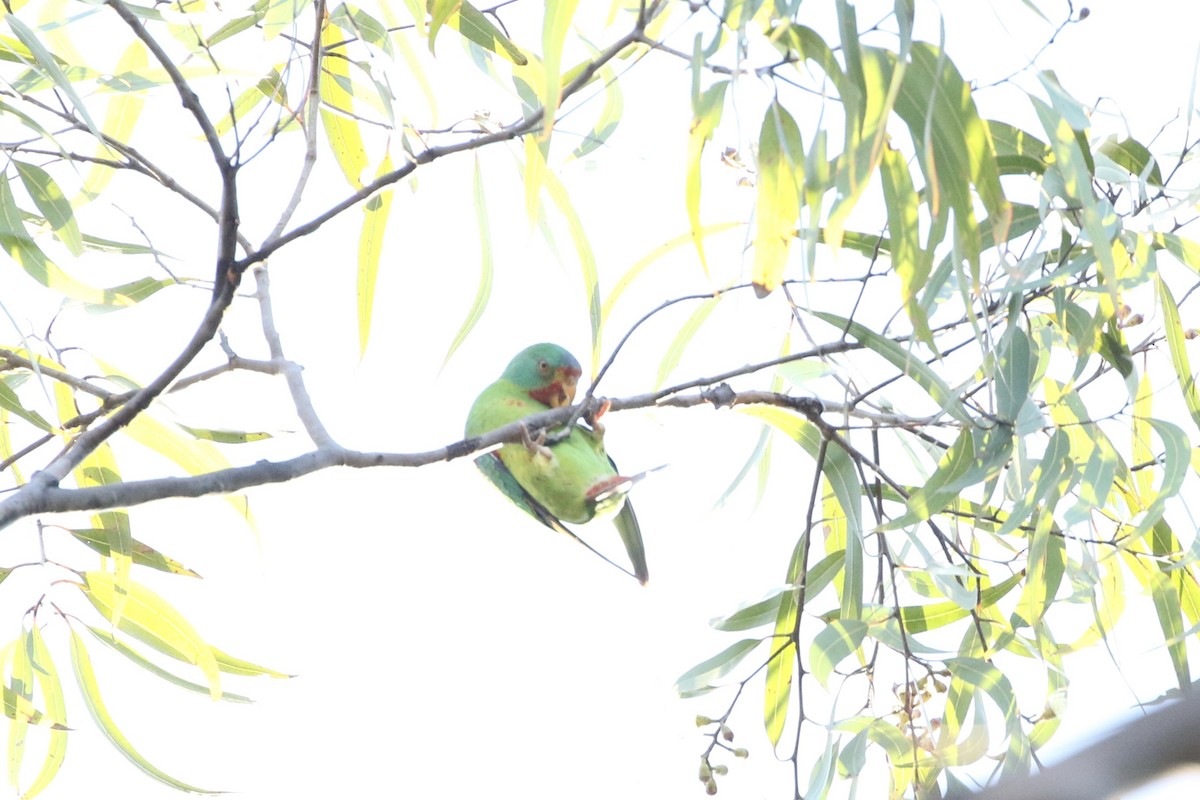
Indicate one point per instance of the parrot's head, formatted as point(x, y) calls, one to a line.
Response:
point(548, 372)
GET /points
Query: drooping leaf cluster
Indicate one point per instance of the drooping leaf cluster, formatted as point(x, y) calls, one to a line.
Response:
point(1025, 469)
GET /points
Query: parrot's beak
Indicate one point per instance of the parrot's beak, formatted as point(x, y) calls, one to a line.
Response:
point(569, 380)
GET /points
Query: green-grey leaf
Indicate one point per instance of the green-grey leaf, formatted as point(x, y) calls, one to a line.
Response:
point(1179, 356)
point(226, 436)
point(906, 362)
point(10, 402)
point(687, 331)
point(918, 619)
point(143, 554)
point(1133, 156)
point(1014, 373)
point(836, 640)
point(474, 25)
point(483, 292)
point(53, 204)
point(752, 615)
point(1017, 152)
point(368, 29)
point(50, 67)
point(700, 677)
point(137, 658)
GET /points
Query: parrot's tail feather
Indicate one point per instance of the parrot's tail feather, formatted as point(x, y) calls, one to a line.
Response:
point(601, 555)
point(645, 472)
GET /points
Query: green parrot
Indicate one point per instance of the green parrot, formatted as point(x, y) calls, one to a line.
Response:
point(571, 479)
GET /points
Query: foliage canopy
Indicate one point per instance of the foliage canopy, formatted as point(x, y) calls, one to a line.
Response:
point(980, 329)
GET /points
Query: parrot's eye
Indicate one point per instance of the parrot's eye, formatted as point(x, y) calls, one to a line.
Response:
point(543, 365)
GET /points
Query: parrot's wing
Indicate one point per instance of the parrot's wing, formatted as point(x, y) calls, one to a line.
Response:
point(491, 466)
point(631, 535)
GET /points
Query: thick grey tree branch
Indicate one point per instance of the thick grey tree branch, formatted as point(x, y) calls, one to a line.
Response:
point(42, 495)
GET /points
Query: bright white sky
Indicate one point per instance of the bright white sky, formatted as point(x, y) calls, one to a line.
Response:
point(446, 645)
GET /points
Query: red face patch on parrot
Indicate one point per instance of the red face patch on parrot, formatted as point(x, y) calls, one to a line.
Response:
point(559, 392)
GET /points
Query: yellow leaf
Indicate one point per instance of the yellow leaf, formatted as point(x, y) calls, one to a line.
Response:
point(559, 14)
point(152, 620)
point(370, 246)
point(47, 678)
point(85, 676)
point(119, 120)
point(99, 468)
point(707, 110)
point(777, 210)
point(337, 103)
point(195, 456)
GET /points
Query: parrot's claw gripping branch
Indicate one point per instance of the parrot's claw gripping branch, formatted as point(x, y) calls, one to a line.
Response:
point(535, 442)
point(590, 411)
point(592, 415)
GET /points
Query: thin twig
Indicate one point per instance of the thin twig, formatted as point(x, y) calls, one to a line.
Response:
point(292, 372)
point(312, 106)
point(526, 125)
